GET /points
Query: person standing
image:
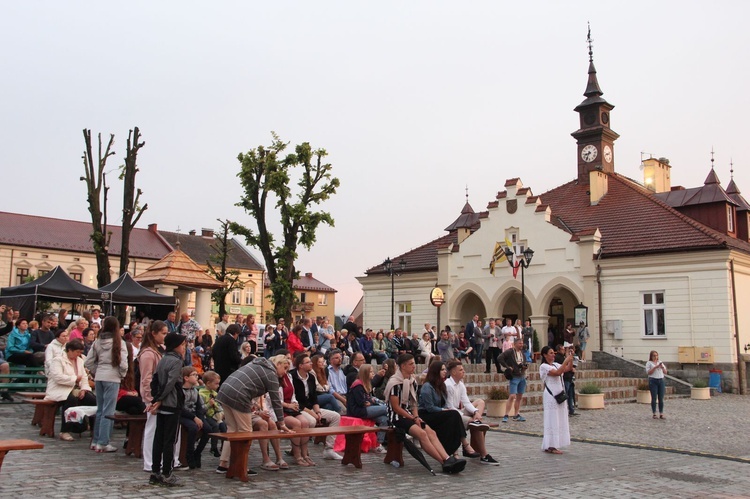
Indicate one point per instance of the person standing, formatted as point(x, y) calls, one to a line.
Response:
point(583, 337)
point(528, 339)
point(656, 371)
point(492, 343)
point(568, 377)
point(556, 429)
point(148, 358)
point(222, 325)
point(478, 338)
point(108, 362)
point(225, 353)
point(513, 359)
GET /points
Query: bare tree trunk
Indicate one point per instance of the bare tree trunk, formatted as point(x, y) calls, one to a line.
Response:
point(131, 212)
point(96, 184)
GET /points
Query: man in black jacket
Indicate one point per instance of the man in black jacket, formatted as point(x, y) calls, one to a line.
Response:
point(568, 377)
point(225, 353)
point(307, 398)
point(351, 327)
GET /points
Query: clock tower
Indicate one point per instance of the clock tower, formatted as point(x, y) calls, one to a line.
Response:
point(595, 138)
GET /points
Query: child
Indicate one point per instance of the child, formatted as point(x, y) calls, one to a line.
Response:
point(214, 419)
point(192, 417)
point(167, 405)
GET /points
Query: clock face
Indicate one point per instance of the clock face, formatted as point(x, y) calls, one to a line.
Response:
point(589, 153)
point(607, 154)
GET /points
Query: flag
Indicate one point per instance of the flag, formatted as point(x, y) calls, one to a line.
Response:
point(514, 263)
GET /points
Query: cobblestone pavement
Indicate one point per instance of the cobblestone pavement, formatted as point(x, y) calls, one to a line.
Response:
point(70, 470)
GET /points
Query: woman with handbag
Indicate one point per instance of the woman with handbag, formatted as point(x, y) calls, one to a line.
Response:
point(556, 430)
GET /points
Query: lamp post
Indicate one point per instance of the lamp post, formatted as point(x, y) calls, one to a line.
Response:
point(393, 269)
point(524, 262)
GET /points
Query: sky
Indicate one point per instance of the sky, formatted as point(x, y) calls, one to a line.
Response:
point(415, 102)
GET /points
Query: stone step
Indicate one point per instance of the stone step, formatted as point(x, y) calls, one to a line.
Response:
point(534, 376)
point(533, 367)
point(533, 401)
point(476, 389)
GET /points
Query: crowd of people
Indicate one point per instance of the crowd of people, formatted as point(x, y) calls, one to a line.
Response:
point(286, 379)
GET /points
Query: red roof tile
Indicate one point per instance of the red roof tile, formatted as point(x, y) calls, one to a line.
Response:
point(422, 258)
point(305, 283)
point(68, 235)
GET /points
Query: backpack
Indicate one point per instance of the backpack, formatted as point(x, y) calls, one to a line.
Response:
point(155, 386)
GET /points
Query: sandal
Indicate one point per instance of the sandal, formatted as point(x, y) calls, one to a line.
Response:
point(656, 417)
point(310, 461)
point(282, 464)
point(66, 436)
point(552, 450)
point(301, 461)
point(269, 466)
point(661, 416)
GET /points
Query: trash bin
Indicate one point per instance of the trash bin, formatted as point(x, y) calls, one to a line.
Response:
point(714, 379)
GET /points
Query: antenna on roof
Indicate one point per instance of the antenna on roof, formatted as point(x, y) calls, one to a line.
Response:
point(731, 169)
point(590, 43)
point(712, 157)
point(467, 193)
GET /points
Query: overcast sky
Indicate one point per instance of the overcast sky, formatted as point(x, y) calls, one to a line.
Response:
point(413, 101)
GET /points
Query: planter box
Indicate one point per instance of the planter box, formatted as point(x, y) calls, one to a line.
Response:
point(496, 408)
point(643, 397)
point(591, 401)
point(700, 393)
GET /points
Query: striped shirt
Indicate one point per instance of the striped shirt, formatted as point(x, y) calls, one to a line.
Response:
point(393, 416)
point(248, 382)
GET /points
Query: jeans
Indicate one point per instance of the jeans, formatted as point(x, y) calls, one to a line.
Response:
point(106, 400)
point(656, 386)
point(478, 353)
point(570, 390)
point(378, 414)
point(328, 401)
point(192, 452)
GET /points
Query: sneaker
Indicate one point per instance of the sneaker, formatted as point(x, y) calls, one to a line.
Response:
point(505, 419)
point(181, 467)
point(216, 452)
point(171, 481)
point(488, 460)
point(378, 450)
point(331, 455)
point(95, 447)
point(251, 472)
point(155, 479)
point(6, 396)
point(221, 470)
point(106, 448)
point(573, 414)
point(472, 455)
point(453, 465)
point(519, 418)
point(479, 425)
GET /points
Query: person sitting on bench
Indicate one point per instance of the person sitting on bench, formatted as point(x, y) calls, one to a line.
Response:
point(68, 383)
point(18, 349)
point(402, 414)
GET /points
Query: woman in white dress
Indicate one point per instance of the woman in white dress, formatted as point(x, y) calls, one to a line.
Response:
point(556, 431)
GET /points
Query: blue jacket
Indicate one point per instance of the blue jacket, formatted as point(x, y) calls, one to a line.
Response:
point(430, 400)
point(18, 342)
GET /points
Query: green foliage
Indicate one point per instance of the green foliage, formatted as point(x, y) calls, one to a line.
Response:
point(700, 383)
point(643, 386)
point(590, 389)
point(217, 267)
point(498, 393)
point(535, 342)
point(268, 197)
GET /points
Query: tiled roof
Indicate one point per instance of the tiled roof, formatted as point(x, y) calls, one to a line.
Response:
point(710, 192)
point(69, 235)
point(734, 192)
point(422, 258)
point(179, 269)
point(632, 220)
point(199, 249)
point(305, 283)
point(466, 220)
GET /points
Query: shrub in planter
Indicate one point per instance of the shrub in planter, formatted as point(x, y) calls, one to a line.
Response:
point(499, 393)
point(700, 383)
point(590, 389)
point(700, 390)
point(497, 400)
point(643, 386)
point(643, 396)
point(590, 396)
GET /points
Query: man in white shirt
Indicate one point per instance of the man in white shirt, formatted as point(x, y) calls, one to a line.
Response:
point(509, 332)
point(471, 411)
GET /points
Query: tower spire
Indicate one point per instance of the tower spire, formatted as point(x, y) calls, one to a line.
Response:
point(731, 169)
point(467, 193)
point(712, 157)
point(592, 86)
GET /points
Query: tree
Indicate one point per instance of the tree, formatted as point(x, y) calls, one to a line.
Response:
point(217, 268)
point(130, 197)
point(96, 183)
point(265, 177)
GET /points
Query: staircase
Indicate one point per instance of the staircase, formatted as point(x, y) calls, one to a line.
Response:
point(616, 389)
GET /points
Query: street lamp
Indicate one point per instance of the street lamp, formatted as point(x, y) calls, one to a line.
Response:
point(524, 262)
point(393, 269)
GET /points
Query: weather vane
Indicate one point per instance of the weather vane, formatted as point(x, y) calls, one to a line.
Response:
point(590, 43)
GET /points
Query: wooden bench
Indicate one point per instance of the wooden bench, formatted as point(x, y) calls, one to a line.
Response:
point(136, 426)
point(37, 417)
point(25, 369)
point(46, 417)
point(240, 444)
point(395, 449)
point(18, 444)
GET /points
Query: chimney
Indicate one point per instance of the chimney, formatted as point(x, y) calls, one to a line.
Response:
point(656, 175)
point(192, 232)
point(152, 228)
point(597, 186)
point(308, 274)
point(207, 233)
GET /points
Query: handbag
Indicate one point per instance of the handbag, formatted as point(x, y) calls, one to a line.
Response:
point(560, 397)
